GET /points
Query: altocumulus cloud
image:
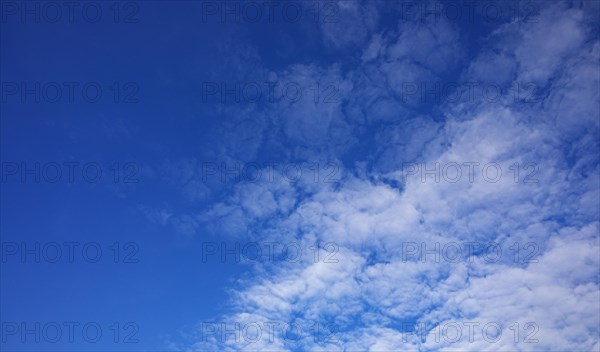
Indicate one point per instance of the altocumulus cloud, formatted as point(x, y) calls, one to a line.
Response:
point(373, 294)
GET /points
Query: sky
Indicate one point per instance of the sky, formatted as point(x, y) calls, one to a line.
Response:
point(300, 175)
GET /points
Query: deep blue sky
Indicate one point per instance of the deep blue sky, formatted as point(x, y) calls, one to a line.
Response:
point(152, 64)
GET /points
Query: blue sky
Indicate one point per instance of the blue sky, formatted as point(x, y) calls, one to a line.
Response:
point(382, 151)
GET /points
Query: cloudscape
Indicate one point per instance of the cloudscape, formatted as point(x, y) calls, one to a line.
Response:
point(299, 175)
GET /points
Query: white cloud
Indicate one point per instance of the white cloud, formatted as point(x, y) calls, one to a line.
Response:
point(371, 291)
